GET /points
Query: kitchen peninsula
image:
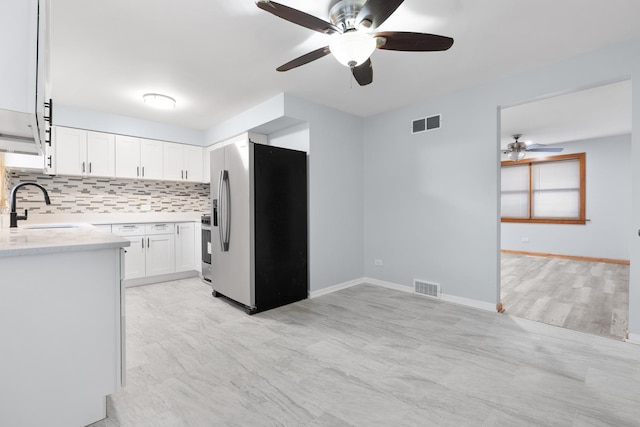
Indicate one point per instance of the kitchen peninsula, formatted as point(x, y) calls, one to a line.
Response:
point(61, 324)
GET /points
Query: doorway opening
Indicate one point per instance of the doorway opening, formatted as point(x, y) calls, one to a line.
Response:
point(556, 267)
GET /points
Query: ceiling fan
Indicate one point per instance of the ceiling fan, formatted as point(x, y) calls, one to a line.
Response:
point(352, 42)
point(518, 149)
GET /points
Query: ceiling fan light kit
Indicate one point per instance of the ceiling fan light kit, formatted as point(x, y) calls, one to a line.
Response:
point(352, 48)
point(352, 44)
point(517, 150)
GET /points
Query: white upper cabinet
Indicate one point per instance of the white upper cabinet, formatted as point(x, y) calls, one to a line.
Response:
point(193, 163)
point(173, 154)
point(139, 158)
point(151, 158)
point(182, 162)
point(83, 153)
point(127, 157)
point(24, 71)
point(70, 151)
point(101, 154)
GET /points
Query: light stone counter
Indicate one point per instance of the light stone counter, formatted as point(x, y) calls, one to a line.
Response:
point(25, 241)
point(105, 218)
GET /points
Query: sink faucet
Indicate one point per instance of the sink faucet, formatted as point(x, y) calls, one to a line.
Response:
point(13, 215)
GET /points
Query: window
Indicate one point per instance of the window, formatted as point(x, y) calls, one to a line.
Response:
point(544, 190)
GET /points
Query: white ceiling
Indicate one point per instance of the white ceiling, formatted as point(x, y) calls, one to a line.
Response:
point(218, 57)
point(591, 113)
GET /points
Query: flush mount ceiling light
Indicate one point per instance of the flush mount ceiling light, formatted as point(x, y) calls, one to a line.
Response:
point(159, 101)
point(352, 48)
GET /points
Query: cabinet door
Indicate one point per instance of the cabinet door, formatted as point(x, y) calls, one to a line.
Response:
point(185, 247)
point(101, 154)
point(160, 254)
point(173, 161)
point(71, 151)
point(193, 163)
point(134, 257)
point(152, 158)
point(127, 157)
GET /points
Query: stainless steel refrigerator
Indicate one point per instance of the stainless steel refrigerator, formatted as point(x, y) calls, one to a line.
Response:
point(259, 225)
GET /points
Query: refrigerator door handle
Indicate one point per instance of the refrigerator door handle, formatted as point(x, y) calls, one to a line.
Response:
point(220, 210)
point(224, 210)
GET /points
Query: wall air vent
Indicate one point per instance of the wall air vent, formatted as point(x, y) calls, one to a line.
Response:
point(425, 124)
point(423, 287)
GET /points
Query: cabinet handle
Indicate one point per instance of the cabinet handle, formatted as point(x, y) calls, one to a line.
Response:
point(50, 161)
point(137, 170)
point(143, 171)
point(49, 106)
point(148, 243)
point(47, 139)
point(178, 230)
point(143, 243)
point(83, 167)
point(89, 167)
point(181, 174)
point(186, 174)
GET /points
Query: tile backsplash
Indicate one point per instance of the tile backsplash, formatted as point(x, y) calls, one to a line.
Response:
point(108, 195)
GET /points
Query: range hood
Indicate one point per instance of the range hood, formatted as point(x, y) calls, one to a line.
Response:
point(19, 133)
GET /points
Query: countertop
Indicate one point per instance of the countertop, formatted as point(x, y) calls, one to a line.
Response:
point(106, 218)
point(25, 241)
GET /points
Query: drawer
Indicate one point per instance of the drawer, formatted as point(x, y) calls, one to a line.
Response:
point(159, 228)
point(128, 229)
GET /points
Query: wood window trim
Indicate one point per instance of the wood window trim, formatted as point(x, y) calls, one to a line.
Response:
point(582, 219)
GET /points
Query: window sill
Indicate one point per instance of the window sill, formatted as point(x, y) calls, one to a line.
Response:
point(546, 220)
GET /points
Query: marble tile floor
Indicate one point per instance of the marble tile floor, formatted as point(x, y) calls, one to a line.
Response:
point(591, 297)
point(363, 356)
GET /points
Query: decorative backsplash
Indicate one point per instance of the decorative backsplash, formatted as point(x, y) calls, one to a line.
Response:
point(108, 195)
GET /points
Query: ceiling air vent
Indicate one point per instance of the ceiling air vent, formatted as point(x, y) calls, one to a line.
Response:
point(426, 288)
point(425, 124)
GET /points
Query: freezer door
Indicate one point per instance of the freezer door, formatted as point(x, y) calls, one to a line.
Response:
point(231, 237)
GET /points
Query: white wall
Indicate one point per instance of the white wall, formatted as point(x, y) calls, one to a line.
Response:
point(432, 199)
point(294, 137)
point(123, 125)
point(608, 169)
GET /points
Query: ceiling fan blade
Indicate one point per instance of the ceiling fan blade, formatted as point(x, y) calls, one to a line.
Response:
point(297, 17)
point(305, 59)
point(413, 42)
point(377, 11)
point(543, 150)
point(363, 73)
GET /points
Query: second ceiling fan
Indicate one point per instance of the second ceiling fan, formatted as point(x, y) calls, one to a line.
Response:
point(352, 43)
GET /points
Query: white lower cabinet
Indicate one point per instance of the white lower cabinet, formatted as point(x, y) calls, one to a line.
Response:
point(152, 250)
point(160, 257)
point(134, 257)
point(185, 246)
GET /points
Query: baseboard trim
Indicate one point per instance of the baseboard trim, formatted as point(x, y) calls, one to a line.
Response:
point(572, 257)
point(130, 283)
point(388, 285)
point(402, 288)
point(487, 306)
point(633, 339)
point(334, 288)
